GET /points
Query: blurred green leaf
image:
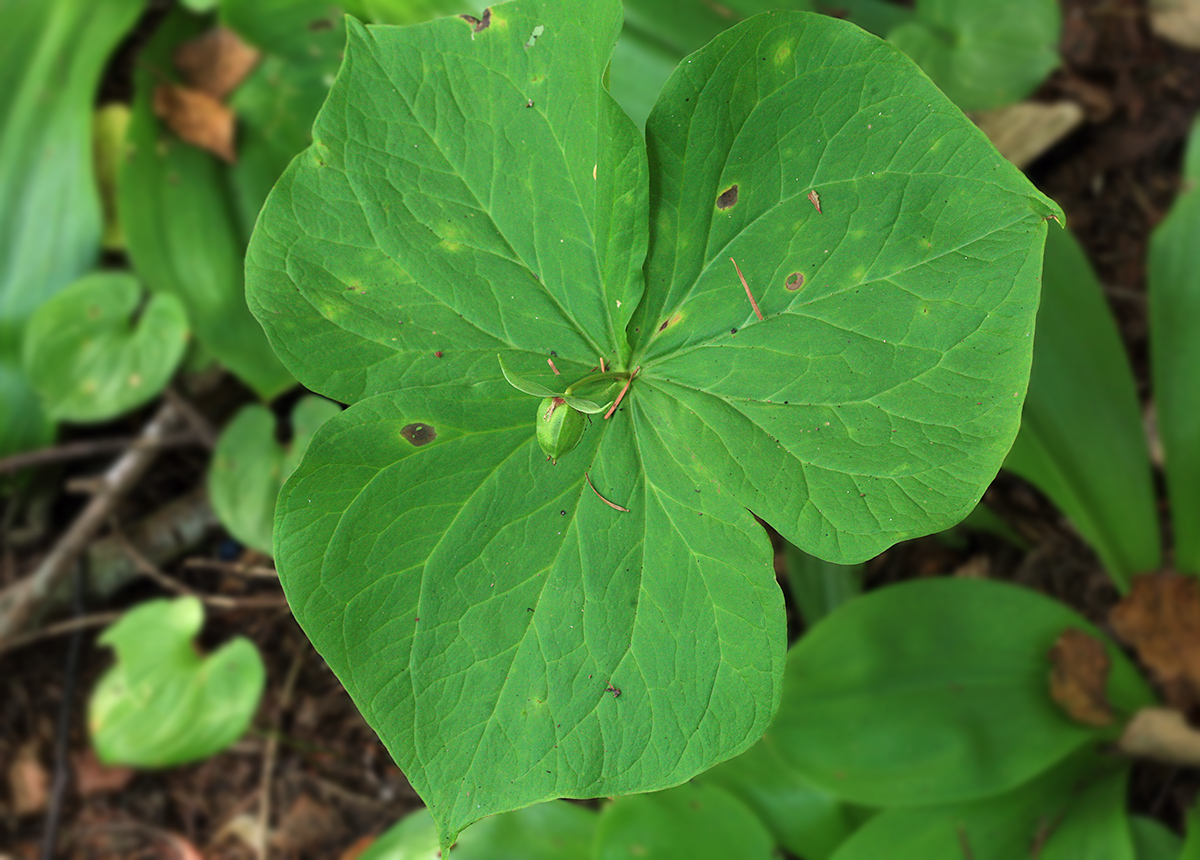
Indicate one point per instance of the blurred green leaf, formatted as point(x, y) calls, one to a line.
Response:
point(52, 53)
point(283, 28)
point(1040, 819)
point(986, 53)
point(249, 467)
point(413, 837)
point(163, 704)
point(200, 7)
point(818, 587)
point(94, 352)
point(1081, 440)
point(1174, 284)
point(804, 819)
point(181, 230)
point(935, 691)
point(1153, 840)
point(110, 125)
point(696, 821)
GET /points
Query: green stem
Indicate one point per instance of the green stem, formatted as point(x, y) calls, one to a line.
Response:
point(615, 375)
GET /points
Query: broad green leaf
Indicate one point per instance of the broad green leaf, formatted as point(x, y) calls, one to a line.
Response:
point(1039, 819)
point(1081, 440)
point(276, 106)
point(199, 6)
point(1153, 840)
point(696, 821)
point(548, 831)
point(249, 467)
point(684, 26)
point(181, 230)
point(1174, 283)
point(98, 349)
point(283, 28)
point(163, 704)
point(818, 587)
point(473, 192)
point(412, 11)
point(806, 820)
point(935, 691)
point(983, 54)
point(52, 53)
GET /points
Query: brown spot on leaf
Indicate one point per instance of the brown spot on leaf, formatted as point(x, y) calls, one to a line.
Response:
point(1079, 677)
point(197, 118)
point(418, 434)
point(215, 62)
point(479, 24)
point(1160, 620)
point(728, 198)
point(794, 281)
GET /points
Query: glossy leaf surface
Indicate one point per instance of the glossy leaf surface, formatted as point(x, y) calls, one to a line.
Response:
point(1174, 284)
point(90, 360)
point(1081, 440)
point(935, 691)
point(163, 704)
point(517, 630)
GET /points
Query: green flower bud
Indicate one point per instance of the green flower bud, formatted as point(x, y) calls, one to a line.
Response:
point(559, 427)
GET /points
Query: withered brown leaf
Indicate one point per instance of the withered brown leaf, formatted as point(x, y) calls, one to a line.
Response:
point(197, 118)
point(1079, 677)
point(1160, 620)
point(215, 62)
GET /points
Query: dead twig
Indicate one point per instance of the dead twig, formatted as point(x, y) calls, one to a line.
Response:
point(51, 631)
point(20, 602)
point(253, 571)
point(272, 752)
point(86, 448)
point(195, 420)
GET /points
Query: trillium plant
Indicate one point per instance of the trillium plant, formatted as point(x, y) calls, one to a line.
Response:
point(579, 361)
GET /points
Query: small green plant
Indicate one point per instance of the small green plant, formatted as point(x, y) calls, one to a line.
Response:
point(814, 280)
point(163, 704)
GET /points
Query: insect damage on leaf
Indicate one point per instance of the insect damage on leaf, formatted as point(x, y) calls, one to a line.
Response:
point(794, 281)
point(479, 24)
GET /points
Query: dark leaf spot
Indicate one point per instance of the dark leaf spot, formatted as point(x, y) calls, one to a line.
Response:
point(728, 198)
point(437, 354)
point(795, 281)
point(663, 327)
point(418, 434)
point(733, 331)
point(480, 24)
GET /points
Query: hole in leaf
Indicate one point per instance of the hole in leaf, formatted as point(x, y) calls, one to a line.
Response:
point(795, 281)
point(728, 198)
point(418, 434)
point(533, 37)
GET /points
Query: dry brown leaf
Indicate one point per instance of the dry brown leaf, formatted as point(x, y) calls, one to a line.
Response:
point(307, 824)
point(1079, 678)
point(1176, 21)
point(1160, 620)
point(216, 62)
point(358, 848)
point(94, 777)
point(197, 118)
point(1023, 132)
point(28, 781)
point(1163, 735)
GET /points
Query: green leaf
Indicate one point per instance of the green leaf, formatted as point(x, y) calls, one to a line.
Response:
point(548, 831)
point(199, 7)
point(52, 53)
point(806, 820)
point(983, 54)
point(87, 358)
point(1153, 840)
point(473, 191)
point(284, 28)
point(695, 821)
point(935, 691)
point(1174, 284)
point(875, 16)
point(1191, 841)
point(249, 467)
point(1081, 440)
point(819, 587)
point(1040, 819)
point(163, 704)
point(526, 386)
point(181, 231)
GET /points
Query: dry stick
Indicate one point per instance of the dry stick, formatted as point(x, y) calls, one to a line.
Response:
point(197, 422)
point(612, 505)
point(749, 294)
point(50, 631)
point(118, 480)
point(550, 361)
point(88, 448)
point(617, 402)
point(255, 571)
point(272, 752)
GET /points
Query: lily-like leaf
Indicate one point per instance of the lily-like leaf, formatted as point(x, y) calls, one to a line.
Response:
point(528, 387)
point(517, 630)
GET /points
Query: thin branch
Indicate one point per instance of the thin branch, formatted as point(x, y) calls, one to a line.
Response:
point(272, 752)
point(85, 448)
point(612, 505)
point(749, 294)
point(254, 571)
point(51, 631)
point(22, 604)
point(198, 423)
